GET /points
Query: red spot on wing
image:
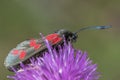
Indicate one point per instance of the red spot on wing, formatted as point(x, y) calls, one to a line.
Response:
point(22, 54)
point(37, 46)
point(54, 38)
point(15, 52)
point(34, 44)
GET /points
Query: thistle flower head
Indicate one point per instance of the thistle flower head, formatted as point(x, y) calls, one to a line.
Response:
point(63, 63)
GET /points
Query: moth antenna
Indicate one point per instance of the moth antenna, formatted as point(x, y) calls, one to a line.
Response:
point(92, 28)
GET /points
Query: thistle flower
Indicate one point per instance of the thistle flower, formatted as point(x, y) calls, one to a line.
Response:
point(63, 63)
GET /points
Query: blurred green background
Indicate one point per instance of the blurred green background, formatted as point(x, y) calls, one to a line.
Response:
point(24, 19)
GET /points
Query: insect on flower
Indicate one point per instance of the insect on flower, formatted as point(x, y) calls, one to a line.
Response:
point(34, 47)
